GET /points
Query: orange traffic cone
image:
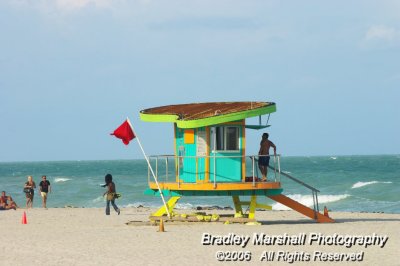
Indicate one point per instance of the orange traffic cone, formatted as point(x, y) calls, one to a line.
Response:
point(326, 212)
point(24, 221)
point(161, 228)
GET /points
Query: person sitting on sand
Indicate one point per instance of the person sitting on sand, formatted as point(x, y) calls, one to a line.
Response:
point(3, 200)
point(29, 186)
point(6, 202)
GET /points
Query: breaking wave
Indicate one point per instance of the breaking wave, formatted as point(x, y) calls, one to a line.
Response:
point(363, 184)
point(307, 200)
point(61, 179)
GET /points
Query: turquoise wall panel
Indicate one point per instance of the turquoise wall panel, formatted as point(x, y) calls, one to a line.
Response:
point(226, 169)
point(190, 166)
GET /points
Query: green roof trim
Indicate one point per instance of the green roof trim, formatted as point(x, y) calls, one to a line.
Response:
point(214, 120)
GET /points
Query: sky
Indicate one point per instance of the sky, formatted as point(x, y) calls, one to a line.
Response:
point(72, 71)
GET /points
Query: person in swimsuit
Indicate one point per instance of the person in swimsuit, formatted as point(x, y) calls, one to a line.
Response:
point(6, 202)
point(29, 186)
point(3, 200)
point(263, 158)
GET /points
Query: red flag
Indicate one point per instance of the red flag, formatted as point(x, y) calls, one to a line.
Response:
point(124, 132)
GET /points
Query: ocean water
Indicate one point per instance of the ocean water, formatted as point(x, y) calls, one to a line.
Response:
point(346, 183)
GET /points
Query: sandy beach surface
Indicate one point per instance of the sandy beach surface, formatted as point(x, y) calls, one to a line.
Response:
point(86, 236)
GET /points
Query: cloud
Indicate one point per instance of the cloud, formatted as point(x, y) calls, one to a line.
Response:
point(381, 37)
point(214, 23)
point(381, 33)
point(79, 4)
point(63, 5)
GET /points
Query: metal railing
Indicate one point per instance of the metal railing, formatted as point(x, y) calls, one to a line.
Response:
point(251, 163)
point(314, 191)
point(165, 166)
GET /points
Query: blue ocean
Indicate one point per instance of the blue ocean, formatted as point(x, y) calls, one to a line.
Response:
point(346, 183)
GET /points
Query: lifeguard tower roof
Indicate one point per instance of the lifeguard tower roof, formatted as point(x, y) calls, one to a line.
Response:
point(194, 115)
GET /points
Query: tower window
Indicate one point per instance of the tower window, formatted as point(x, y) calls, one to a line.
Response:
point(225, 138)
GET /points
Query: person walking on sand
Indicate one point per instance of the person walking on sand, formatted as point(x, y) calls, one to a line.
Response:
point(44, 188)
point(263, 158)
point(29, 192)
point(111, 193)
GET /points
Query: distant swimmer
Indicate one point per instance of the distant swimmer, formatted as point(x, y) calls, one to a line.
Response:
point(263, 158)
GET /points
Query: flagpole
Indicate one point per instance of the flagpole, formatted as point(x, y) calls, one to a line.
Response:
point(151, 169)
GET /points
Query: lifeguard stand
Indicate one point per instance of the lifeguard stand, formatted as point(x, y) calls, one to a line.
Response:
point(210, 157)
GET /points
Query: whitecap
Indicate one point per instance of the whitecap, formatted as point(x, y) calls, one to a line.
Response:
point(333, 158)
point(307, 200)
point(61, 179)
point(363, 184)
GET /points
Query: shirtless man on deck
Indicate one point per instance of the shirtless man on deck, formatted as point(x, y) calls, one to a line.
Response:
point(263, 158)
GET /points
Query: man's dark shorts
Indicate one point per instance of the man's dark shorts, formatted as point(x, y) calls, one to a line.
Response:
point(263, 160)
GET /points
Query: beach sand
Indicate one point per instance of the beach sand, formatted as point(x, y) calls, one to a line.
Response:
point(86, 236)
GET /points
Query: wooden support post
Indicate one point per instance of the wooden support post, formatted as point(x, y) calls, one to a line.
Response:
point(171, 204)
